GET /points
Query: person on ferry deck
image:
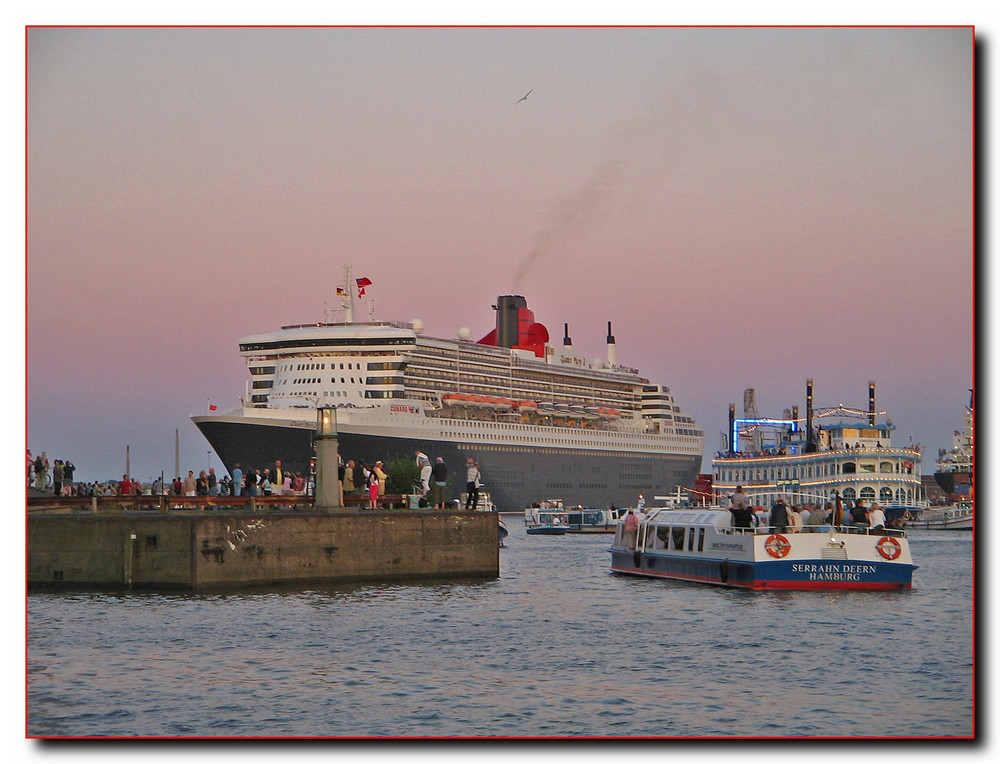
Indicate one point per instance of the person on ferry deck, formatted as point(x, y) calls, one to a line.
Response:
point(631, 528)
point(876, 517)
point(740, 498)
point(779, 516)
point(795, 521)
point(859, 514)
point(742, 517)
point(806, 513)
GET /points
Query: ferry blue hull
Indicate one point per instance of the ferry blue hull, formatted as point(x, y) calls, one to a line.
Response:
point(778, 574)
point(514, 476)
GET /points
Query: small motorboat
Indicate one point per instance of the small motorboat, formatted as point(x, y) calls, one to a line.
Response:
point(543, 529)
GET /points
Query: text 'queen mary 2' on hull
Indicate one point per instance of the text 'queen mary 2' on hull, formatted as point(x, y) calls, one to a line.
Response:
point(539, 419)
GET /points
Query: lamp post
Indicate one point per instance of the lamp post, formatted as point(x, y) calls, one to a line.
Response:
point(327, 486)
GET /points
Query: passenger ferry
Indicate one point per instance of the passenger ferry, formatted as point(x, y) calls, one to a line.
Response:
point(701, 545)
point(831, 452)
point(552, 513)
point(536, 417)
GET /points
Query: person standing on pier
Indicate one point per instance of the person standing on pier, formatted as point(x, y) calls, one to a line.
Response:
point(349, 477)
point(190, 484)
point(372, 483)
point(382, 477)
point(278, 480)
point(237, 480)
point(472, 476)
point(440, 474)
point(42, 472)
point(425, 471)
point(68, 469)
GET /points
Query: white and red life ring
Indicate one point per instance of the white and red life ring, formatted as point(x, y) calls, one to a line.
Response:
point(889, 548)
point(777, 545)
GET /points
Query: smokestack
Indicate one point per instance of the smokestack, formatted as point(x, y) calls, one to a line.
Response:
point(566, 340)
point(508, 333)
point(810, 444)
point(612, 351)
point(871, 404)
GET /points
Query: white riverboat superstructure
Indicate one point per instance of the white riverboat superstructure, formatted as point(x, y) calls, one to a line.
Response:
point(538, 418)
point(812, 462)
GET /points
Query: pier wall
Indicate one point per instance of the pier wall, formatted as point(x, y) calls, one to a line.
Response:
point(221, 550)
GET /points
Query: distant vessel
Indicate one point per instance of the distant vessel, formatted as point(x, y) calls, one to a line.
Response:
point(700, 545)
point(807, 461)
point(958, 517)
point(956, 468)
point(536, 417)
point(575, 519)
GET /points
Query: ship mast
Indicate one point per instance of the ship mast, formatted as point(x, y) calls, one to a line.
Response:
point(347, 297)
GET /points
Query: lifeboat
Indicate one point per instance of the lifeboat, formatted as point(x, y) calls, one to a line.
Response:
point(527, 407)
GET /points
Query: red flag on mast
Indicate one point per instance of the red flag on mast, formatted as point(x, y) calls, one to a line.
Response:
point(362, 283)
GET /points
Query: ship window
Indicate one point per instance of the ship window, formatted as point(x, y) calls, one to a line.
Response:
point(701, 539)
point(678, 537)
point(691, 540)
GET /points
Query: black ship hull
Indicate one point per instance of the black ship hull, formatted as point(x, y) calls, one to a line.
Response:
point(954, 482)
point(515, 476)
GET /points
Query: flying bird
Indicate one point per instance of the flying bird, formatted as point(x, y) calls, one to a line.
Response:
point(524, 97)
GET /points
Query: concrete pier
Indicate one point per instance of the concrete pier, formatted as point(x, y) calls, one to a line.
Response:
point(217, 550)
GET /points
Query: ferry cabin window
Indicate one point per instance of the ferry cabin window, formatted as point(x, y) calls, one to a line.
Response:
point(691, 540)
point(701, 539)
point(678, 536)
point(662, 538)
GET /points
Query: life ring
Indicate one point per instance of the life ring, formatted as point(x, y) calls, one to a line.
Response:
point(777, 545)
point(889, 548)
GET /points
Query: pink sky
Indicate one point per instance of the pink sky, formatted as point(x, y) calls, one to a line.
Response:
point(749, 207)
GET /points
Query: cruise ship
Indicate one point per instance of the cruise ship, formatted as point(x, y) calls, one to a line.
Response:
point(956, 468)
point(539, 419)
point(831, 452)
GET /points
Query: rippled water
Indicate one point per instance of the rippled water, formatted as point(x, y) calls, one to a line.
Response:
point(557, 646)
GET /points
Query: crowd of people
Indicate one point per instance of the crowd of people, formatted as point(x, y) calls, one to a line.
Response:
point(785, 518)
point(356, 477)
point(57, 478)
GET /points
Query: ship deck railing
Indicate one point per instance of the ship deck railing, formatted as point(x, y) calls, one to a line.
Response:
point(824, 528)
